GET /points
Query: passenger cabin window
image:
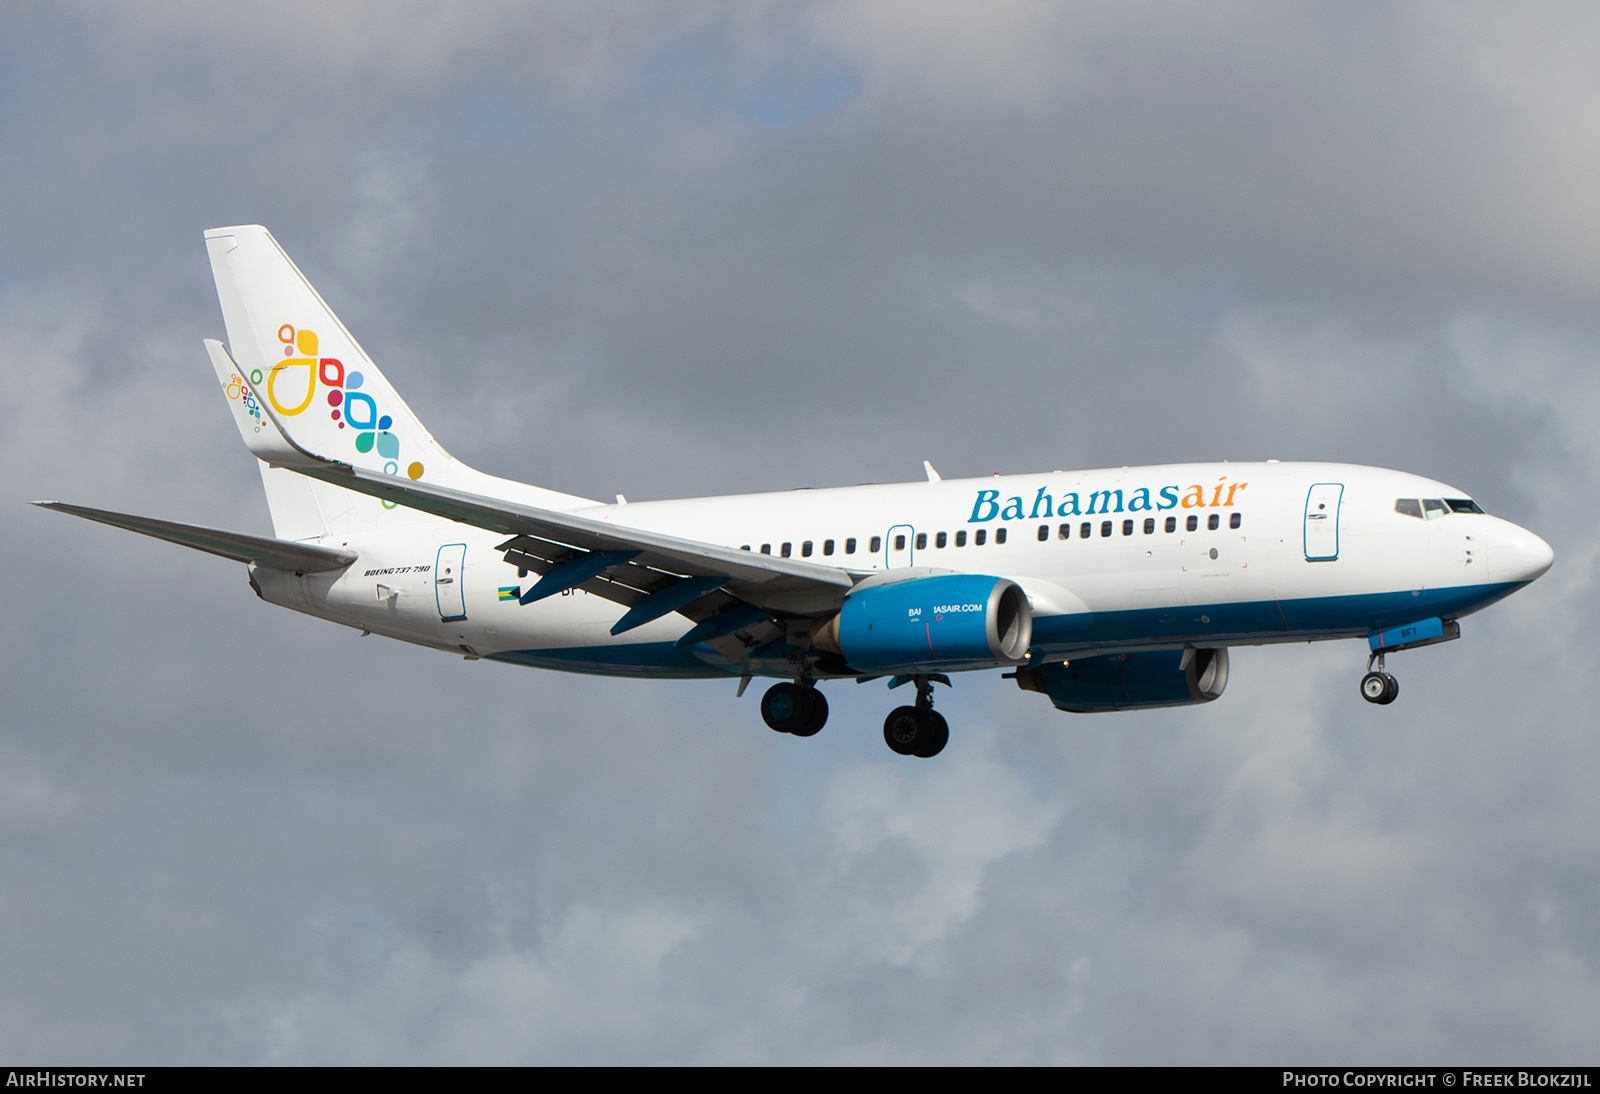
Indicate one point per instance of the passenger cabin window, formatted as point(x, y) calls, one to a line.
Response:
point(785, 550)
point(1434, 508)
point(1235, 519)
point(1214, 521)
point(1192, 523)
point(1105, 529)
point(999, 535)
point(939, 540)
point(805, 549)
point(850, 545)
point(1064, 532)
point(1462, 505)
point(961, 539)
point(978, 537)
point(766, 548)
point(1172, 524)
point(1149, 525)
point(1127, 527)
point(899, 543)
point(827, 546)
point(873, 544)
point(922, 540)
point(1085, 530)
point(744, 547)
point(1044, 532)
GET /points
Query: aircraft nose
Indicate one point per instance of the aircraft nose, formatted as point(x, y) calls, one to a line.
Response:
point(1516, 554)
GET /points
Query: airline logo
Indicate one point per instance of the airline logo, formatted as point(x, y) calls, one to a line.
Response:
point(239, 392)
point(291, 388)
point(988, 505)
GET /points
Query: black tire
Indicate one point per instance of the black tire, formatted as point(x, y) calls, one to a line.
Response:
point(1391, 690)
point(902, 729)
point(819, 715)
point(1375, 685)
point(787, 708)
point(935, 735)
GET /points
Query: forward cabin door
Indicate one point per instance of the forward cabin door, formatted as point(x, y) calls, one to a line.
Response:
point(447, 584)
point(1322, 521)
point(898, 548)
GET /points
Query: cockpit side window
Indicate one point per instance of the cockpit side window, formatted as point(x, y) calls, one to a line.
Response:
point(1434, 508)
point(1462, 505)
point(1409, 506)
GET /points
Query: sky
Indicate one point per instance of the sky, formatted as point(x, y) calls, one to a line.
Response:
point(708, 248)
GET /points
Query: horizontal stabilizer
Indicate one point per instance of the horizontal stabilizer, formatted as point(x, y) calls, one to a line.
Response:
point(275, 554)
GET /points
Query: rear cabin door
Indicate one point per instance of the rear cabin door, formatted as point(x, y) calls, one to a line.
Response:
point(1322, 521)
point(898, 548)
point(447, 584)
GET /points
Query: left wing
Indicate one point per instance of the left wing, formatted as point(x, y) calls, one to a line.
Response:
point(600, 553)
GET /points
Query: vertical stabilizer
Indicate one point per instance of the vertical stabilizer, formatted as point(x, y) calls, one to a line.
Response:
point(299, 358)
point(288, 351)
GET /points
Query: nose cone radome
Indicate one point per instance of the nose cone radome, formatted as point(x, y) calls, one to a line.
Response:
point(1516, 554)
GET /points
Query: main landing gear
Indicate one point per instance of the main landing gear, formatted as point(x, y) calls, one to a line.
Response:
point(1379, 687)
point(919, 730)
point(799, 709)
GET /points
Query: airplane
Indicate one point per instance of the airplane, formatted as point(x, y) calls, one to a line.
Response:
point(1104, 590)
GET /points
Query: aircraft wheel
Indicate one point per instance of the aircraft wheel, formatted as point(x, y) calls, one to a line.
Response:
point(1380, 688)
point(934, 737)
point(787, 708)
point(819, 714)
point(901, 730)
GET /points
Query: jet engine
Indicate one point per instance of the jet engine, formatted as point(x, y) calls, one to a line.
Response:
point(930, 624)
point(1131, 681)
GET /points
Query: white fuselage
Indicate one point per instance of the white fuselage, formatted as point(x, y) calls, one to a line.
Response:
point(1273, 569)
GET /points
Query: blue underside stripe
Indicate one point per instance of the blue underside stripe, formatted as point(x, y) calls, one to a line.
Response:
point(1307, 619)
point(660, 660)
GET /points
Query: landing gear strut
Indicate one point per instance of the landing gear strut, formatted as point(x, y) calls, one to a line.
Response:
point(918, 730)
point(799, 709)
point(1379, 687)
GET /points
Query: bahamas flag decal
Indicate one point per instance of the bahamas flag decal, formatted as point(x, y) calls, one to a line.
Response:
point(510, 592)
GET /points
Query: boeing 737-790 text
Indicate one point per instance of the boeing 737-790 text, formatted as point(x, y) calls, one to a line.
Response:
point(1117, 589)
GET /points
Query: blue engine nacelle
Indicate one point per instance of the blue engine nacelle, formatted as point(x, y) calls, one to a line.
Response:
point(1131, 681)
point(931, 624)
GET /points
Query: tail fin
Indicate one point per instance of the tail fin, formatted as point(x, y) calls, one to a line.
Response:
point(299, 357)
point(289, 350)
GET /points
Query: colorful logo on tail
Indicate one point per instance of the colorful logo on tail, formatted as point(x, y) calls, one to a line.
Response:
point(348, 404)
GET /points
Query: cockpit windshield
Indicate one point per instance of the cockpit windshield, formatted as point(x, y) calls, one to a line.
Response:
point(1434, 508)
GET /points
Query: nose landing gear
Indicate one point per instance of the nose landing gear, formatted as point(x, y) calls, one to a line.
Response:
point(1379, 687)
